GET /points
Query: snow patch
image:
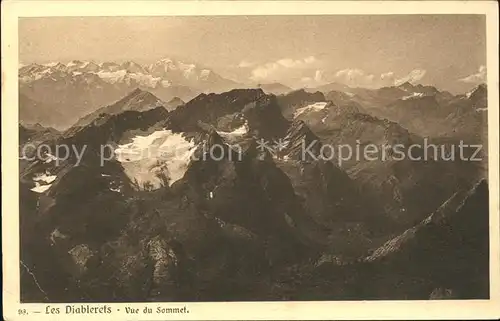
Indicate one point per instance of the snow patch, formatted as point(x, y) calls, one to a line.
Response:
point(153, 160)
point(45, 178)
point(56, 234)
point(413, 95)
point(123, 75)
point(112, 76)
point(204, 74)
point(49, 158)
point(41, 188)
point(471, 92)
point(236, 133)
point(310, 108)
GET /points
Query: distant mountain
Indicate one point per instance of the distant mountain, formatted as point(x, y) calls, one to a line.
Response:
point(174, 103)
point(442, 114)
point(30, 137)
point(339, 97)
point(34, 112)
point(478, 97)
point(188, 74)
point(423, 110)
point(396, 185)
point(425, 90)
point(65, 95)
point(378, 98)
point(294, 100)
point(80, 87)
point(163, 73)
point(30, 132)
point(137, 100)
point(331, 87)
point(275, 88)
point(35, 134)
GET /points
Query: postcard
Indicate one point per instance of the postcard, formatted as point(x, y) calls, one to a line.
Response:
point(250, 160)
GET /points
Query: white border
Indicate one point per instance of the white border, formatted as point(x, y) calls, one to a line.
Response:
point(341, 310)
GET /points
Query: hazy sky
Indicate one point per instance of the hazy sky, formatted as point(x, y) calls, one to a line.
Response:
point(448, 51)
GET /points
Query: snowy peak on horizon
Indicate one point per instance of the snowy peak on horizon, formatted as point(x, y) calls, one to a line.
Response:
point(162, 73)
point(172, 72)
point(478, 96)
point(176, 69)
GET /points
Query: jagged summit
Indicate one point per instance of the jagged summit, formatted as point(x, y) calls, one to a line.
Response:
point(176, 100)
point(131, 66)
point(275, 88)
point(482, 86)
point(208, 108)
point(406, 86)
point(292, 101)
point(174, 103)
point(139, 96)
point(135, 92)
point(478, 95)
point(304, 94)
point(453, 211)
point(137, 100)
point(300, 138)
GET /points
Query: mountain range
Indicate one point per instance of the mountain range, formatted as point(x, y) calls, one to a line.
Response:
point(248, 222)
point(58, 95)
point(86, 86)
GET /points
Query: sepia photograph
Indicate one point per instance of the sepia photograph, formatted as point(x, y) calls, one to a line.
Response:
point(253, 158)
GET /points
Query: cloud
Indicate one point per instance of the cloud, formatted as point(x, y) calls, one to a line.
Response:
point(314, 80)
point(388, 75)
point(310, 60)
point(318, 76)
point(387, 79)
point(354, 78)
point(246, 64)
point(414, 76)
point(283, 69)
point(311, 72)
point(479, 77)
